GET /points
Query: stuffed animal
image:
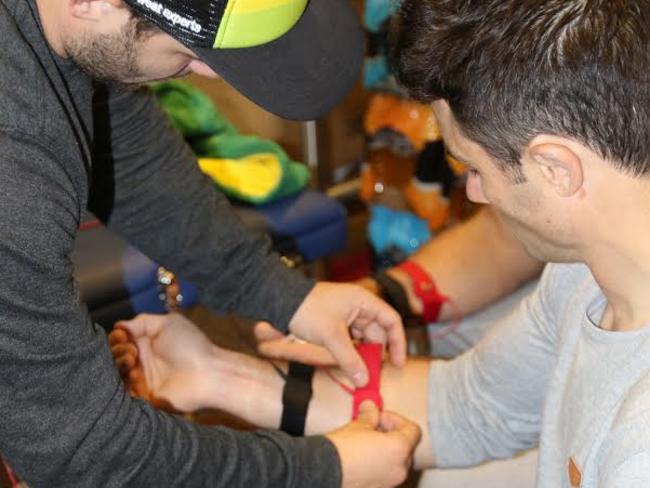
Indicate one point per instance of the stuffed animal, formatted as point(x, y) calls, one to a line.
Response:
point(407, 168)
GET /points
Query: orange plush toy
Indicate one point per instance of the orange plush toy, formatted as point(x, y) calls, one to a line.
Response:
point(413, 120)
point(406, 166)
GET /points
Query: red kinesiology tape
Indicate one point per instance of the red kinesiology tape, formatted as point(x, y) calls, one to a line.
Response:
point(425, 289)
point(371, 354)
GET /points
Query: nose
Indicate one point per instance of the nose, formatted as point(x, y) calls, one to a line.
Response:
point(202, 69)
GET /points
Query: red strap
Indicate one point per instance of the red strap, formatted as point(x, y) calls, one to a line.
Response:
point(371, 354)
point(425, 289)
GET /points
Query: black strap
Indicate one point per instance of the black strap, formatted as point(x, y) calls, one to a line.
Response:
point(295, 398)
point(393, 292)
point(278, 370)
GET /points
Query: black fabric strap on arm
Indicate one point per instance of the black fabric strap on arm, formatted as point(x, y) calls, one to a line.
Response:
point(295, 398)
point(393, 292)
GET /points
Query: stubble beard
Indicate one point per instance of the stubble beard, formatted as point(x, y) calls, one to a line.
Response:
point(111, 58)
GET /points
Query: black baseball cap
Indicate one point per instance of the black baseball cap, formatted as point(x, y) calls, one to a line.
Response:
point(295, 58)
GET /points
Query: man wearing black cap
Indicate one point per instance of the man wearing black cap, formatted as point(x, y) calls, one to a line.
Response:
point(69, 139)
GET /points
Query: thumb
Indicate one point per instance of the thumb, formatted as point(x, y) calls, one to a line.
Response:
point(368, 414)
point(264, 331)
point(147, 325)
point(393, 422)
point(348, 359)
point(293, 351)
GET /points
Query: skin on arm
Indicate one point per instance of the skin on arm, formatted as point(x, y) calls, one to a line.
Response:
point(404, 390)
point(177, 365)
point(474, 263)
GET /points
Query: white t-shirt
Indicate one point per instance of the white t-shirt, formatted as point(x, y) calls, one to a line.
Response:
point(549, 375)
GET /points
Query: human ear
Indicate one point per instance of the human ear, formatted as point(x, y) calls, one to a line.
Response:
point(93, 10)
point(560, 167)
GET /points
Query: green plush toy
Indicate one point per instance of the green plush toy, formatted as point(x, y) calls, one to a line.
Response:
point(245, 167)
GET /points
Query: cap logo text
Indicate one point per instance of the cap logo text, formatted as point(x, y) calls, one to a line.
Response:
point(173, 17)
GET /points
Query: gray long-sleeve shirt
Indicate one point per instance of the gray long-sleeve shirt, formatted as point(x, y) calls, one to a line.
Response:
point(65, 419)
point(549, 374)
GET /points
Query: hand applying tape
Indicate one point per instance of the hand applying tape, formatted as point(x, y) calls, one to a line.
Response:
point(371, 355)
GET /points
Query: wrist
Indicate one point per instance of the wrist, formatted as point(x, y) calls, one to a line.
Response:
point(423, 286)
point(244, 386)
point(404, 280)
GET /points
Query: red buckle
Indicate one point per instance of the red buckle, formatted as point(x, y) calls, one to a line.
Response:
point(371, 355)
point(425, 289)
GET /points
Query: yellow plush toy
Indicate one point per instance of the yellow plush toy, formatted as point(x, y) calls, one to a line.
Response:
point(255, 176)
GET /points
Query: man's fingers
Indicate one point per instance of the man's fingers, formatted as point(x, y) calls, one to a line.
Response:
point(275, 345)
point(137, 384)
point(125, 364)
point(368, 414)
point(302, 352)
point(264, 331)
point(358, 334)
point(396, 343)
point(381, 323)
point(347, 358)
point(136, 375)
point(144, 325)
point(371, 333)
point(394, 423)
point(125, 356)
point(117, 336)
point(391, 322)
point(123, 349)
point(391, 421)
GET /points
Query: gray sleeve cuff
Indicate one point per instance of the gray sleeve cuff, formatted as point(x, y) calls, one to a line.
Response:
point(310, 461)
point(320, 465)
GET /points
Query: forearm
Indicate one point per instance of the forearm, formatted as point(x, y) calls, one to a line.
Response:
point(474, 263)
point(158, 200)
point(66, 418)
point(251, 389)
point(404, 390)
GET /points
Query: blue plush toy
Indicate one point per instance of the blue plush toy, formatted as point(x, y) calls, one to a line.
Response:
point(375, 72)
point(377, 13)
point(393, 229)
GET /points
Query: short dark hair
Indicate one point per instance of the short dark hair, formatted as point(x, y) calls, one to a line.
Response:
point(513, 69)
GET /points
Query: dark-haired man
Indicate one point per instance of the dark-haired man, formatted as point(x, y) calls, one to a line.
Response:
point(548, 103)
point(69, 139)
